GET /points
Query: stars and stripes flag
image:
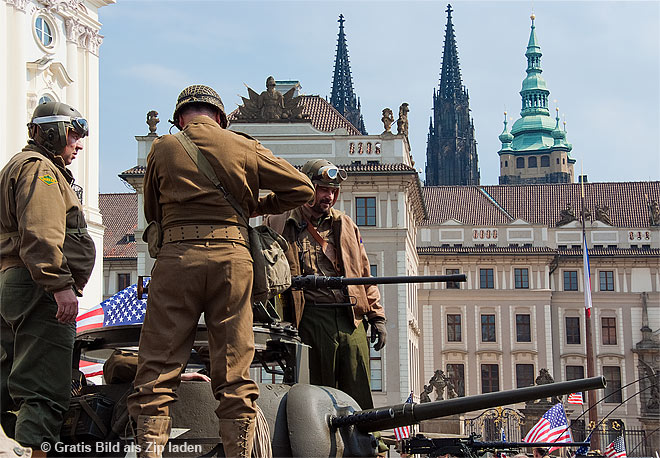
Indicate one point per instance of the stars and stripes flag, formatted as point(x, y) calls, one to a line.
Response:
point(120, 309)
point(584, 449)
point(616, 449)
point(552, 427)
point(575, 398)
point(587, 276)
point(403, 432)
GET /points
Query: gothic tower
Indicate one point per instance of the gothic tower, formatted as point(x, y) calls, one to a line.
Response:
point(451, 151)
point(342, 97)
point(536, 150)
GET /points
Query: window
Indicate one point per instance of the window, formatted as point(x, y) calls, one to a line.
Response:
point(43, 31)
point(488, 328)
point(523, 328)
point(456, 373)
point(606, 280)
point(506, 163)
point(490, 378)
point(366, 211)
point(609, 331)
point(545, 161)
point(453, 284)
point(453, 328)
point(520, 163)
point(521, 278)
point(574, 373)
point(613, 377)
point(267, 377)
point(123, 281)
point(570, 280)
point(572, 330)
point(44, 99)
point(524, 375)
point(373, 270)
point(532, 162)
point(376, 368)
point(557, 160)
point(486, 280)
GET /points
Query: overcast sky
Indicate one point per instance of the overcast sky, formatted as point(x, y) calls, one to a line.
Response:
point(600, 62)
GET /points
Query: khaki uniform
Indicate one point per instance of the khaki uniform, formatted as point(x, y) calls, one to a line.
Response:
point(44, 248)
point(339, 356)
point(204, 265)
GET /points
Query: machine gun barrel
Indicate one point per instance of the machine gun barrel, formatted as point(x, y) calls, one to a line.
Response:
point(409, 413)
point(317, 281)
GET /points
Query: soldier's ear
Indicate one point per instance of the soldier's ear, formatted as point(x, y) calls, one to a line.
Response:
point(217, 118)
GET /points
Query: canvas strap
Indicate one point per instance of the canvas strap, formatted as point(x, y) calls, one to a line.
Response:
point(327, 249)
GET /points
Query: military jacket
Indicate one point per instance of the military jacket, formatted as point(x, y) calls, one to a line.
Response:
point(176, 193)
point(352, 259)
point(42, 225)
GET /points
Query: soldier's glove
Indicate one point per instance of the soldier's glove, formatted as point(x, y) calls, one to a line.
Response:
point(378, 332)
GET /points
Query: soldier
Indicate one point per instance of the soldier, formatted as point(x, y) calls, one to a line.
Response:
point(46, 258)
point(204, 266)
point(325, 241)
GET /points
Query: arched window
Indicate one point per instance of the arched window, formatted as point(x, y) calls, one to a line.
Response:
point(545, 161)
point(531, 162)
point(44, 99)
point(43, 31)
point(520, 163)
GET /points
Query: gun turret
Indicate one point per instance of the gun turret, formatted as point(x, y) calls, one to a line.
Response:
point(318, 281)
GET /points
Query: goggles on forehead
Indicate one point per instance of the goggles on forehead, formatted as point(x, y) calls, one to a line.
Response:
point(332, 174)
point(79, 125)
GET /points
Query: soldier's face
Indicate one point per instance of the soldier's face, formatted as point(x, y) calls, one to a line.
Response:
point(325, 198)
point(73, 145)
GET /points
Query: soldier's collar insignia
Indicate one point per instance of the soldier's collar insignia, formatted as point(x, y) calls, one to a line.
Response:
point(48, 179)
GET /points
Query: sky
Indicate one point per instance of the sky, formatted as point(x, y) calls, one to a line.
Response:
point(601, 63)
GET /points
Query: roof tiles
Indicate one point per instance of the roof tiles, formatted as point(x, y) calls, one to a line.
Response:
point(119, 212)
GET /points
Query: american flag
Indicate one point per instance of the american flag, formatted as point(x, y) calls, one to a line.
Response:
point(616, 449)
point(575, 398)
point(552, 427)
point(120, 309)
point(403, 432)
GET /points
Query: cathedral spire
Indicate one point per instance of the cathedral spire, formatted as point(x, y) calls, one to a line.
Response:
point(450, 77)
point(342, 97)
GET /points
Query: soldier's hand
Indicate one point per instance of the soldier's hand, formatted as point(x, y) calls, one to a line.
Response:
point(67, 305)
point(378, 332)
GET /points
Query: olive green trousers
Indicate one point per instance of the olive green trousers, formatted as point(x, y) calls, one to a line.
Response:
point(188, 279)
point(339, 356)
point(35, 361)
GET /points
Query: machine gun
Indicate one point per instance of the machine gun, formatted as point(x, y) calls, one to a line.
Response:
point(470, 447)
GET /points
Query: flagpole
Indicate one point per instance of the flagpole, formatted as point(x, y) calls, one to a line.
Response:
point(591, 372)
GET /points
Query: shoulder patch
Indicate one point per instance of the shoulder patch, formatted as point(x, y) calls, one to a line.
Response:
point(48, 179)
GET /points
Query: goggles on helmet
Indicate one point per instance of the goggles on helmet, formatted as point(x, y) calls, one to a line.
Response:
point(332, 174)
point(79, 125)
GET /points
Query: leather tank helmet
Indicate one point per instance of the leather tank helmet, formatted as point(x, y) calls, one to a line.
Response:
point(325, 173)
point(199, 93)
point(50, 123)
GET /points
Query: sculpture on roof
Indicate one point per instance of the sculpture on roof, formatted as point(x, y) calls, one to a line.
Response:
point(544, 378)
point(424, 396)
point(388, 120)
point(439, 382)
point(271, 105)
point(152, 120)
point(654, 213)
point(402, 122)
point(567, 215)
point(601, 214)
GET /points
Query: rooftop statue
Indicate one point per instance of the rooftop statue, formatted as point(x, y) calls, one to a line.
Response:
point(271, 105)
point(654, 213)
point(601, 214)
point(152, 120)
point(402, 122)
point(567, 215)
point(388, 120)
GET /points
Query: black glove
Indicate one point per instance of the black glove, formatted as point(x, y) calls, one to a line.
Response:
point(378, 332)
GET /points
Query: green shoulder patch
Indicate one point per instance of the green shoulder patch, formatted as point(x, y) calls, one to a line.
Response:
point(48, 179)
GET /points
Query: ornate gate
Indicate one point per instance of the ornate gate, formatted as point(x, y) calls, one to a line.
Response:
point(496, 425)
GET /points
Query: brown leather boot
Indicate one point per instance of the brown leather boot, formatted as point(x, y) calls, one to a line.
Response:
point(152, 435)
point(237, 437)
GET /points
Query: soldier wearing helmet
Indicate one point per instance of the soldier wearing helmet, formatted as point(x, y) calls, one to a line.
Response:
point(204, 266)
point(325, 241)
point(46, 258)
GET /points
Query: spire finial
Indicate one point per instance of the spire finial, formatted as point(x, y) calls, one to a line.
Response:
point(448, 11)
point(341, 21)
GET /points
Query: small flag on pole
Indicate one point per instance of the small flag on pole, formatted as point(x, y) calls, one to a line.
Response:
point(403, 432)
point(616, 449)
point(552, 427)
point(575, 398)
point(587, 276)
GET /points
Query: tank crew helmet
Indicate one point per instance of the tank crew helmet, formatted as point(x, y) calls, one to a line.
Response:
point(199, 93)
point(50, 123)
point(324, 173)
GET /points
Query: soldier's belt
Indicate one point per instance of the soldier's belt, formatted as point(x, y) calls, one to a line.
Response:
point(205, 232)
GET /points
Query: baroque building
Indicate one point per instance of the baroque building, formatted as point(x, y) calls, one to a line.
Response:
point(50, 52)
point(451, 151)
point(342, 96)
point(536, 150)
